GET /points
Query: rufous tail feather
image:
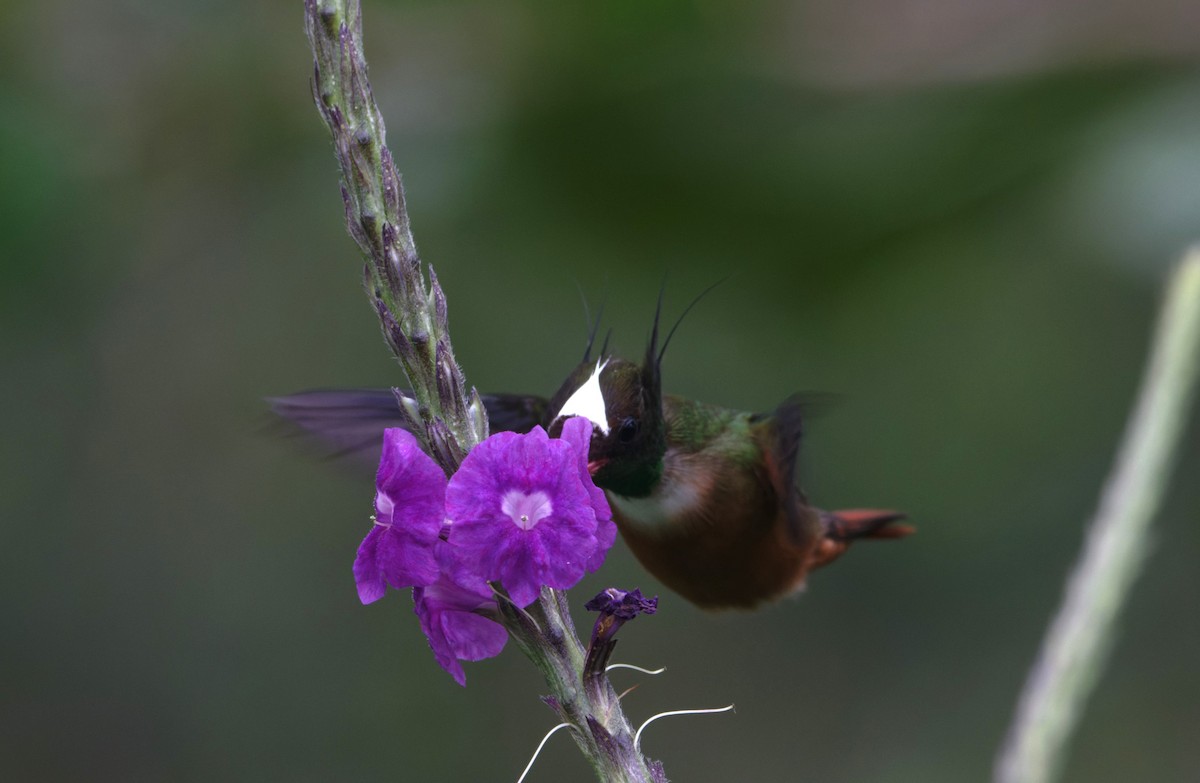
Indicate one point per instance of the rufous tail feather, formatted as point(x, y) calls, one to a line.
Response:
point(843, 527)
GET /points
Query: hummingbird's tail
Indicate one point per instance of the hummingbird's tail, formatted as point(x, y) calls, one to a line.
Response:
point(852, 523)
point(842, 527)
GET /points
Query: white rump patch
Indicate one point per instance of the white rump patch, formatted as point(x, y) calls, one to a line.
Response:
point(588, 401)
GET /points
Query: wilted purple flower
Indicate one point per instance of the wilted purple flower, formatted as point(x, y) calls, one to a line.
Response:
point(616, 607)
point(455, 632)
point(521, 515)
point(410, 492)
point(577, 431)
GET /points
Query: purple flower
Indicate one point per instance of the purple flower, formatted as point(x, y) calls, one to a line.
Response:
point(521, 515)
point(616, 607)
point(578, 432)
point(410, 491)
point(455, 632)
point(521, 511)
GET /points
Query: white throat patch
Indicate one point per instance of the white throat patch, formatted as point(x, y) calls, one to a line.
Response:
point(588, 401)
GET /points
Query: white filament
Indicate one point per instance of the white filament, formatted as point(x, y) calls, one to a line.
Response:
point(637, 737)
point(541, 744)
point(612, 666)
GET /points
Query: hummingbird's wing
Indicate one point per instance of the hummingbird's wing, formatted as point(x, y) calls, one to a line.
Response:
point(514, 412)
point(341, 423)
point(349, 423)
point(787, 428)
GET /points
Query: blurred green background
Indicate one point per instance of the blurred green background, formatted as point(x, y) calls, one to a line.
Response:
point(957, 216)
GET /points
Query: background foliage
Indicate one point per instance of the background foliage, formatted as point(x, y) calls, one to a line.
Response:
point(955, 216)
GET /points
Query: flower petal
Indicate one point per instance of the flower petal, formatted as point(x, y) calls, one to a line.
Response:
point(368, 576)
point(447, 615)
point(556, 550)
point(409, 509)
point(410, 487)
point(578, 432)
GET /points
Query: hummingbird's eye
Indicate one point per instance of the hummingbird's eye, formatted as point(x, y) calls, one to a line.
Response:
point(628, 430)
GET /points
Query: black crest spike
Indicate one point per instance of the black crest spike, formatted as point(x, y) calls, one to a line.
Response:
point(604, 345)
point(587, 354)
point(652, 349)
point(594, 329)
point(651, 377)
point(686, 310)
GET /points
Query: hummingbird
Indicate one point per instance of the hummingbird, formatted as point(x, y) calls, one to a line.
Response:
point(704, 496)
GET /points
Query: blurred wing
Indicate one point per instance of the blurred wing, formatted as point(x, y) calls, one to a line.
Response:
point(349, 423)
point(343, 423)
point(787, 429)
point(515, 412)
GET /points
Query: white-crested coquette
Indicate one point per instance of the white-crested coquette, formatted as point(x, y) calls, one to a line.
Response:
point(704, 496)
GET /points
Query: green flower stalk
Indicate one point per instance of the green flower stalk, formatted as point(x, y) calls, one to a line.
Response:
point(411, 310)
point(516, 535)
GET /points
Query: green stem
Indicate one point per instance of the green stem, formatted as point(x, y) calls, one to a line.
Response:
point(1075, 647)
point(413, 314)
point(585, 700)
point(411, 310)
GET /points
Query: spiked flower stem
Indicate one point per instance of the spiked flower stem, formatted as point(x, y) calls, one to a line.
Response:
point(412, 313)
point(586, 700)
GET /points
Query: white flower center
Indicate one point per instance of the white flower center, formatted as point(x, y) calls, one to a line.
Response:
point(588, 401)
point(384, 505)
point(525, 511)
